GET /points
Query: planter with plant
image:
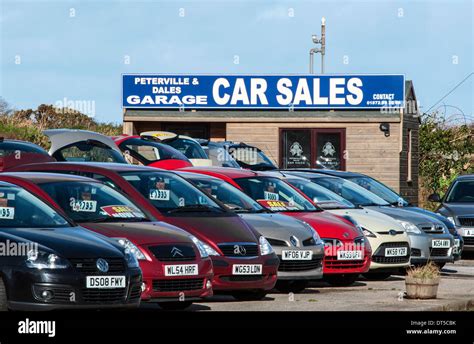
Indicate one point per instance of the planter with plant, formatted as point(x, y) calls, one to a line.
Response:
point(422, 282)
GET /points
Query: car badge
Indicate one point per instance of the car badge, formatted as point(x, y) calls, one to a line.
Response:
point(102, 265)
point(176, 252)
point(346, 235)
point(392, 232)
point(240, 250)
point(294, 240)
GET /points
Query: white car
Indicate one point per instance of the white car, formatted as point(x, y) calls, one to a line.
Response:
point(388, 239)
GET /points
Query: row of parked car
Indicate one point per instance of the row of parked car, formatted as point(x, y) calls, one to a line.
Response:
point(114, 221)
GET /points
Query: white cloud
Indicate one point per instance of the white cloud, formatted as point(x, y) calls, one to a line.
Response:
point(278, 12)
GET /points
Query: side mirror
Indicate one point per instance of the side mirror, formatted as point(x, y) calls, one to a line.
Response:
point(434, 198)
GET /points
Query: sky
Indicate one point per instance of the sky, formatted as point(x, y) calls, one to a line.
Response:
point(56, 52)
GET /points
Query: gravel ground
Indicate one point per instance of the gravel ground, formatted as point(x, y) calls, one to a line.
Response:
point(455, 291)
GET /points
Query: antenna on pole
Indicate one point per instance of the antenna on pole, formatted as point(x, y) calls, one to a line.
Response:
point(322, 50)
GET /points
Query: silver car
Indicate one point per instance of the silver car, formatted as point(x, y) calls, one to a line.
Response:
point(296, 243)
point(430, 239)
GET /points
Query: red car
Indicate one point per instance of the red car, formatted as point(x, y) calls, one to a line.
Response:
point(245, 264)
point(15, 152)
point(176, 267)
point(347, 252)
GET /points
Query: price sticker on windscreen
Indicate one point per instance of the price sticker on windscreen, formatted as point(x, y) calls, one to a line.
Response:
point(159, 195)
point(83, 206)
point(7, 213)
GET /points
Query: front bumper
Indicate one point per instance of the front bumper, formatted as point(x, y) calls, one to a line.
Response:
point(468, 240)
point(225, 281)
point(301, 269)
point(68, 288)
point(422, 250)
point(380, 261)
point(161, 288)
point(333, 265)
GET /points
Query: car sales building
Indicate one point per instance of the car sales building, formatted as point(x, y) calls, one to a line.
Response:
point(380, 141)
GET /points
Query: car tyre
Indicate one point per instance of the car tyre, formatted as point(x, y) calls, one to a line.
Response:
point(249, 295)
point(343, 280)
point(3, 297)
point(175, 306)
point(440, 265)
point(291, 286)
point(377, 276)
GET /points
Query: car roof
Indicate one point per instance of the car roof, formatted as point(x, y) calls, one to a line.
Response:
point(307, 175)
point(186, 174)
point(226, 171)
point(466, 176)
point(102, 166)
point(22, 143)
point(8, 184)
point(335, 173)
point(41, 178)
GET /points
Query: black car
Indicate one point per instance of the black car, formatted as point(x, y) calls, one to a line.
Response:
point(458, 207)
point(15, 152)
point(390, 196)
point(47, 262)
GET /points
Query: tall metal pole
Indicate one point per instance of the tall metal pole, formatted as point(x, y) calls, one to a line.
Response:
point(323, 42)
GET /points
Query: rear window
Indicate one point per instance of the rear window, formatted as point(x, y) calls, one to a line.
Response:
point(14, 148)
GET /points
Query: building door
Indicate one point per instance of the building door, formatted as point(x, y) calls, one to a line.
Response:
point(330, 146)
point(312, 148)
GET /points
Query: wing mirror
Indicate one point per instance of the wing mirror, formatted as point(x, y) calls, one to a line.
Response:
point(434, 198)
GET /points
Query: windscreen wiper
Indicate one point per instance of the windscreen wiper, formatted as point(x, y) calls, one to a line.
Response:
point(193, 208)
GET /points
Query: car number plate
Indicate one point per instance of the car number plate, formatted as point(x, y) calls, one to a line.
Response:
point(296, 255)
point(440, 243)
point(247, 269)
point(105, 282)
point(181, 270)
point(396, 252)
point(349, 255)
point(469, 232)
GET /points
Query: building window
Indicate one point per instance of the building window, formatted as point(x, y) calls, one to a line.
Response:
point(409, 156)
point(296, 148)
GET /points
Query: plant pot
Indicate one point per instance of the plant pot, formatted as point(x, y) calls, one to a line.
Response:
point(418, 288)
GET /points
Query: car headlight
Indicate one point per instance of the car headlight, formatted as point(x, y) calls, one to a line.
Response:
point(44, 260)
point(313, 232)
point(368, 233)
point(265, 247)
point(204, 249)
point(451, 219)
point(131, 247)
point(410, 227)
point(131, 259)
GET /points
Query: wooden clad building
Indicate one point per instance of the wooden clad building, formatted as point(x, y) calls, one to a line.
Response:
point(382, 144)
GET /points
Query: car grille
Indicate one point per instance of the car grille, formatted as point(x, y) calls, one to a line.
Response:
point(251, 250)
point(103, 295)
point(173, 253)
point(466, 221)
point(88, 265)
point(379, 255)
point(439, 252)
point(468, 240)
point(178, 284)
point(299, 265)
point(432, 228)
point(275, 242)
point(309, 242)
point(331, 262)
point(242, 278)
point(135, 293)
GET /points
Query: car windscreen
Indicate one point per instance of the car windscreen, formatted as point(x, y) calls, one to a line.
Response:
point(88, 151)
point(251, 157)
point(171, 194)
point(232, 197)
point(275, 194)
point(148, 152)
point(350, 191)
point(92, 202)
point(190, 148)
point(220, 156)
point(321, 196)
point(20, 209)
point(379, 189)
point(461, 192)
